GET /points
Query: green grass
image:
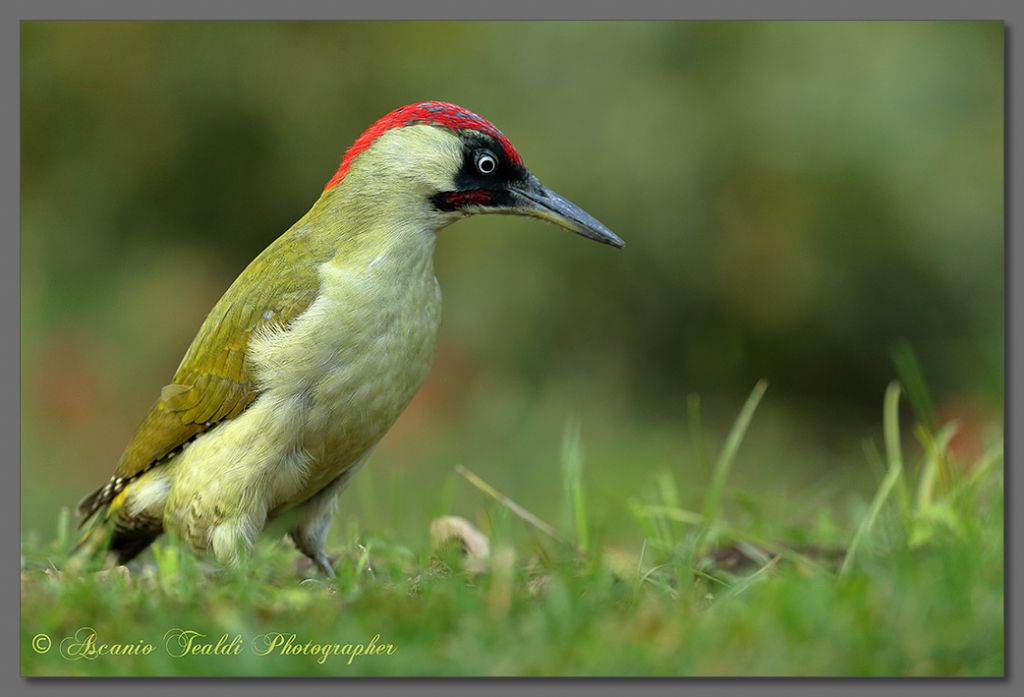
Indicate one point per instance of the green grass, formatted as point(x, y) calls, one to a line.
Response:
point(909, 583)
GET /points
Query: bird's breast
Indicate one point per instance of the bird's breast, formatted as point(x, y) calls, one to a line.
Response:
point(345, 369)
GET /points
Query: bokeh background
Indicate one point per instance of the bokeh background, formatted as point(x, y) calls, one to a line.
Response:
point(797, 198)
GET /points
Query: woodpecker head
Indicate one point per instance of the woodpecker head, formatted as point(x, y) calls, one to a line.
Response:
point(444, 163)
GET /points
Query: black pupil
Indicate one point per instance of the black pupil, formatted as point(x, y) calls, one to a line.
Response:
point(486, 164)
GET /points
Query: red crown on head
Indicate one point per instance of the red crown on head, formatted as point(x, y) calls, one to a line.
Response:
point(450, 116)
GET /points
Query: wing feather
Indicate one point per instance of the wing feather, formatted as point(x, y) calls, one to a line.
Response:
point(214, 381)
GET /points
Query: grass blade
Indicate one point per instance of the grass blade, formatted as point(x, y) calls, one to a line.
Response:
point(572, 472)
point(511, 505)
point(935, 450)
point(724, 464)
point(700, 454)
point(912, 376)
point(892, 434)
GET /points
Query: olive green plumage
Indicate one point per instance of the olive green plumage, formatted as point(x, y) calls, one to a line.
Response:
point(314, 351)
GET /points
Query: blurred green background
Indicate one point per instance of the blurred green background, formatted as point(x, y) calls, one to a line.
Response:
point(795, 197)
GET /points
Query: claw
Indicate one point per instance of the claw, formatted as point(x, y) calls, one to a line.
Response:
point(324, 564)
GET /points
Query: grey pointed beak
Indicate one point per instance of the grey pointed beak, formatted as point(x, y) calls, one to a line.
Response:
point(538, 201)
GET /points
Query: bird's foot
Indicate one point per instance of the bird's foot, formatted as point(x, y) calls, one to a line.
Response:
point(324, 564)
point(318, 560)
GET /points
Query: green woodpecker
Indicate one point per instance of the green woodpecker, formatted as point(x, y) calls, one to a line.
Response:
point(317, 347)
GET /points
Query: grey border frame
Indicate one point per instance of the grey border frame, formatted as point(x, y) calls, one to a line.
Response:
point(14, 11)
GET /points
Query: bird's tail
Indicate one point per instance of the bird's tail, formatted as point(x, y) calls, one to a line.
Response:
point(93, 548)
point(109, 533)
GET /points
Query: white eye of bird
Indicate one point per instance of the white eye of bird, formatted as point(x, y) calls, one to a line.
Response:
point(486, 163)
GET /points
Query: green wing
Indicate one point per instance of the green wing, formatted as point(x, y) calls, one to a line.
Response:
point(214, 381)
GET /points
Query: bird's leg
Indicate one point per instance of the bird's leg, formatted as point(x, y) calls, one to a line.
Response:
point(310, 533)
